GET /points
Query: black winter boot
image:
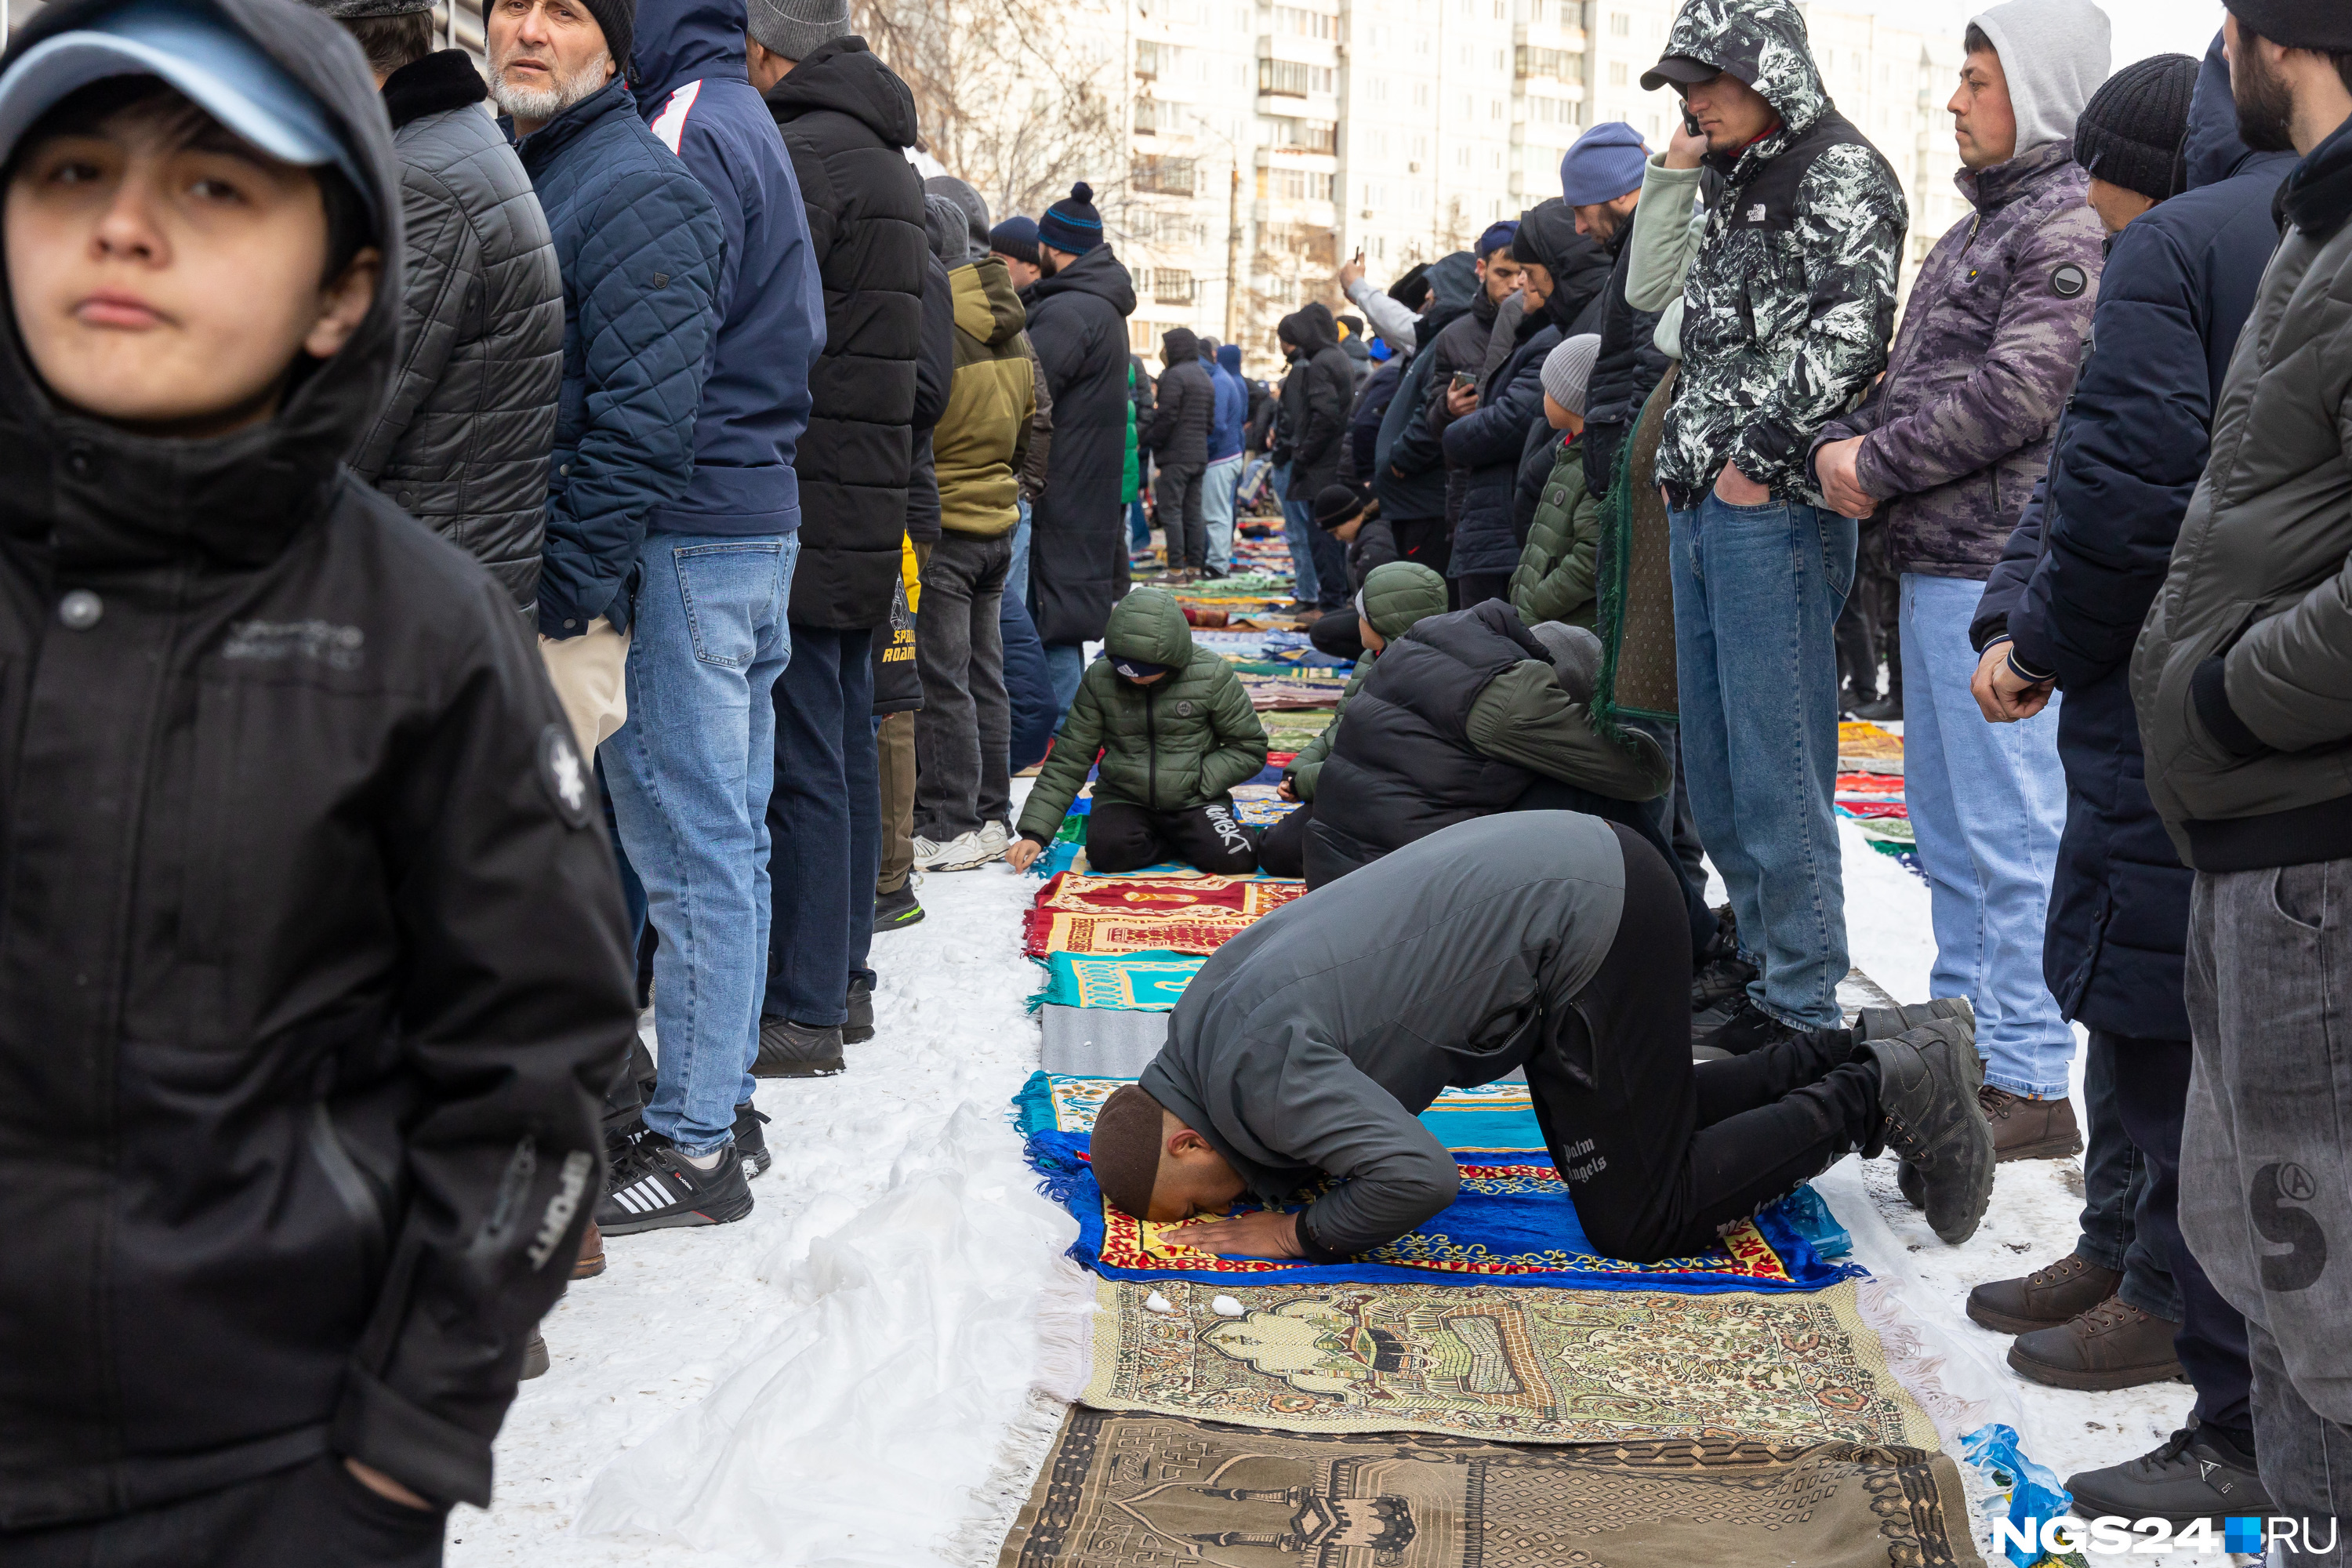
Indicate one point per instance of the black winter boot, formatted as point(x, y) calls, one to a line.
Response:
point(1933, 1120)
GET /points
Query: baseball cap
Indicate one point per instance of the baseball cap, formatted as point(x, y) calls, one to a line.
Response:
point(1687, 71)
point(194, 49)
point(1138, 669)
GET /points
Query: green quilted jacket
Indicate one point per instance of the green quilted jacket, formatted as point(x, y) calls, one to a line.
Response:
point(1554, 580)
point(1183, 740)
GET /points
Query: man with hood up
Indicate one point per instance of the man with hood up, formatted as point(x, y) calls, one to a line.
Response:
point(1178, 438)
point(1408, 474)
point(1788, 302)
point(847, 121)
point(1221, 483)
point(1948, 447)
point(2191, 207)
point(1316, 398)
point(314, 962)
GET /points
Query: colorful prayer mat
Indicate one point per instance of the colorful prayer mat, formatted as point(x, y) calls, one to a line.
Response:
point(1865, 748)
point(1246, 898)
point(1202, 930)
point(1514, 1223)
point(1290, 730)
point(1135, 982)
point(1260, 805)
point(1507, 1366)
point(1151, 1491)
point(1103, 1041)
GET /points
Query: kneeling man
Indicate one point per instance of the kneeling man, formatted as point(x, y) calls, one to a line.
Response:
point(1548, 941)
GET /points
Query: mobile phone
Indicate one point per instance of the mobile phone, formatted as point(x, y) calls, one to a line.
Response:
point(1465, 382)
point(1690, 123)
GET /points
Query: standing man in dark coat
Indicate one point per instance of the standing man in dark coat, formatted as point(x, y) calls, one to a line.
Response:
point(848, 121)
point(2067, 600)
point(1178, 438)
point(1408, 473)
point(1316, 398)
point(1077, 324)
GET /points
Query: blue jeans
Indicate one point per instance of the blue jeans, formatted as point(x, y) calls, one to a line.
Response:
point(826, 819)
point(1988, 802)
point(690, 773)
point(1016, 576)
point(1298, 532)
point(1218, 487)
point(1757, 591)
point(1066, 662)
point(1138, 526)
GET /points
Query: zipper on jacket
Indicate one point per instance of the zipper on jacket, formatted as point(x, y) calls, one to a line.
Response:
point(1151, 743)
point(344, 1175)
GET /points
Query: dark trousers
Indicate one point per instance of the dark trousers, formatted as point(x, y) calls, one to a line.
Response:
point(2115, 1190)
point(1282, 848)
point(1424, 540)
point(2151, 1092)
point(1478, 587)
point(1176, 496)
point(1659, 1151)
point(1865, 628)
point(315, 1514)
point(1644, 819)
point(825, 820)
point(1123, 837)
point(963, 733)
point(1331, 567)
point(1337, 634)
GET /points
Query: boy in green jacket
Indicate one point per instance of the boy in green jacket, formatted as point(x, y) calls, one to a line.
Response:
point(1175, 731)
point(1554, 579)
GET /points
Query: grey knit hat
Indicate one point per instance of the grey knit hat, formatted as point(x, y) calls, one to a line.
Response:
point(798, 28)
point(1567, 368)
point(1575, 657)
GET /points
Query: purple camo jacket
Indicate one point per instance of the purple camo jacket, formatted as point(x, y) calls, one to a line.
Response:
point(1958, 430)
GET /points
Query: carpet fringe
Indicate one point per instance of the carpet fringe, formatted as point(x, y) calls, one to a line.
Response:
point(1026, 1445)
point(1065, 1333)
point(1914, 1360)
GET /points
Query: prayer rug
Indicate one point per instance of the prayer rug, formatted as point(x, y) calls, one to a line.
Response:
point(1152, 1492)
point(1505, 1366)
point(1200, 930)
point(1212, 897)
point(1291, 730)
point(1259, 806)
point(1135, 982)
point(1514, 1223)
point(1865, 748)
point(1633, 581)
point(1100, 1041)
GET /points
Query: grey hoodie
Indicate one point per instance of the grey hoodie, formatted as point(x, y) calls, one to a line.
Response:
point(2054, 54)
point(1312, 1041)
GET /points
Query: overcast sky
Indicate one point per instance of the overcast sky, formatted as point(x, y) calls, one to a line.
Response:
point(2142, 27)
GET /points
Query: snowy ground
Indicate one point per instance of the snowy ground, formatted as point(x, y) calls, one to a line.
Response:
point(842, 1378)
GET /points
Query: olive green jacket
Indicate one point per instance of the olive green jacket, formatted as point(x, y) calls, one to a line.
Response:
point(1398, 595)
point(1554, 578)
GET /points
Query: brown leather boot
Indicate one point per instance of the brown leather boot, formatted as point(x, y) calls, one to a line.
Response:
point(590, 1261)
point(2044, 1299)
point(2026, 1128)
point(2113, 1345)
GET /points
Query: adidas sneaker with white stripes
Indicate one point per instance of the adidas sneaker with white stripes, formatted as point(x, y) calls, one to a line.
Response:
point(653, 1188)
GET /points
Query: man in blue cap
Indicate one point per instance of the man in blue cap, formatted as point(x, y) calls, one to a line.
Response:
point(1600, 178)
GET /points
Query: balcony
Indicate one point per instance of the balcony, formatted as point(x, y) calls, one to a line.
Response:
point(1162, 176)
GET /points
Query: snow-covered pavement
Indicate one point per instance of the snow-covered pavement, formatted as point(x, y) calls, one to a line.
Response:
point(842, 1378)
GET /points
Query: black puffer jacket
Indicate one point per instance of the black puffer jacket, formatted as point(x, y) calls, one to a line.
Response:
point(463, 445)
point(1186, 402)
point(1077, 538)
point(1629, 366)
point(313, 967)
point(1316, 398)
point(848, 121)
point(1487, 444)
point(1408, 465)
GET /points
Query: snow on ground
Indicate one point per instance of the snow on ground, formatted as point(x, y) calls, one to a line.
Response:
point(841, 1379)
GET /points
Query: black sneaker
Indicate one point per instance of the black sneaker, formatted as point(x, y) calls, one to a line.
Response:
point(1933, 1119)
point(1749, 1028)
point(897, 911)
point(1886, 1023)
point(861, 1014)
point(797, 1050)
point(749, 1142)
point(1722, 974)
point(656, 1189)
point(1888, 708)
point(2197, 1474)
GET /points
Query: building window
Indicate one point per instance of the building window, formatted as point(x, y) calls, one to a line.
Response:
point(1303, 24)
point(1295, 79)
point(1307, 135)
point(1163, 177)
point(1621, 25)
point(1616, 73)
point(1151, 58)
point(1299, 185)
point(1172, 286)
point(1560, 65)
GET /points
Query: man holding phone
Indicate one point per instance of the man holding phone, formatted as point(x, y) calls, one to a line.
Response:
point(1790, 298)
point(1455, 354)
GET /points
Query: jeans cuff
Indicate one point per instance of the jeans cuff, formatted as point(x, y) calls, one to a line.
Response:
point(2156, 1304)
point(2110, 1258)
point(693, 1153)
point(2015, 1085)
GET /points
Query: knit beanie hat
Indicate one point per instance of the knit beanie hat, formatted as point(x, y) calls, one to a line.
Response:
point(1016, 237)
point(1575, 657)
point(798, 28)
point(1498, 236)
point(1335, 504)
point(2321, 25)
point(1606, 163)
point(1124, 1149)
point(2134, 130)
point(1073, 225)
point(353, 10)
point(1567, 368)
point(974, 206)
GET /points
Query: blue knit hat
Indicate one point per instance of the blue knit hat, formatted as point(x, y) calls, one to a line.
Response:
point(1016, 237)
point(1073, 225)
point(1498, 236)
point(1606, 163)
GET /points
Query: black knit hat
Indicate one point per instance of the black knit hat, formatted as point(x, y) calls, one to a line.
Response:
point(2323, 24)
point(618, 18)
point(1335, 504)
point(1072, 226)
point(2133, 131)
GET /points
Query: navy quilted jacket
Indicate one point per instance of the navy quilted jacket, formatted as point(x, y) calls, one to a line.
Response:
point(639, 244)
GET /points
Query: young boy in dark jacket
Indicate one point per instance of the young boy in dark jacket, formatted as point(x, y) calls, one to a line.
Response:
point(1175, 731)
point(312, 953)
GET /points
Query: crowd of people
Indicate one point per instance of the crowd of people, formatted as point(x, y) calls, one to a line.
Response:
point(773, 496)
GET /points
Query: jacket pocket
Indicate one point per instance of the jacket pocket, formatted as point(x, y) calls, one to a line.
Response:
point(358, 1195)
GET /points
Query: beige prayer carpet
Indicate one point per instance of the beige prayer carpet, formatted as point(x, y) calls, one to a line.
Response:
point(1158, 1491)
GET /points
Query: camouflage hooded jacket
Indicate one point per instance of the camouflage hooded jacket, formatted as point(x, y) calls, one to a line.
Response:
point(1958, 432)
point(1790, 300)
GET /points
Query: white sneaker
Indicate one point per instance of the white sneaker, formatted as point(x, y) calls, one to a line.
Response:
point(925, 852)
point(964, 852)
point(993, 835)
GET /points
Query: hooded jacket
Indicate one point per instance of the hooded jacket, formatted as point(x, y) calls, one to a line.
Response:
point(1397, 596)
point(1181, 741)
point(1077, 538)
point(1554, 579)
point(1231, 411)
point(1789, 299)
point(2242, 674)
point(1957, 433)
point(1628, 367)
point(848, 121)
point(698, 98)
point(622, 213)
point(318, 1109)
point(1316, 398)
point(1309, 1044)
point(1407, 461)
point(2088, 556)
point(1488, 443)
point(982, 439)
point(1186, 404)
point(462, 446)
